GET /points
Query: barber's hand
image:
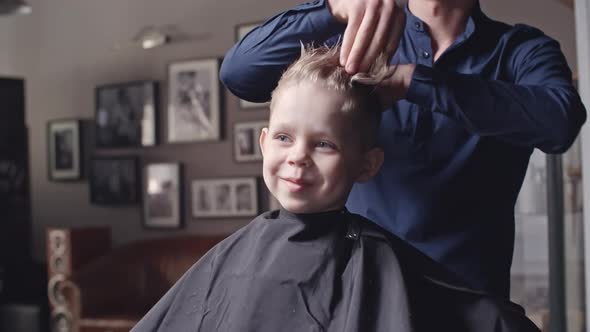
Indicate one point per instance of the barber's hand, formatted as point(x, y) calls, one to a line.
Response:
point(373, 27)
point(392, 86)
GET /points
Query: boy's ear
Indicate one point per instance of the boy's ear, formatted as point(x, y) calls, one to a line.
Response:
point(372, 161)
point(263, 134)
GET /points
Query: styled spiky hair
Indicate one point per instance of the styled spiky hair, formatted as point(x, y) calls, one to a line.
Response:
point(321, 65)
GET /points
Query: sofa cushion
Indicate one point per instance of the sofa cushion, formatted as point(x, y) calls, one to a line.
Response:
point(130, 279)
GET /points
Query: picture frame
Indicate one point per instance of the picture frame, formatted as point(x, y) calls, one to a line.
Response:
point(225, 197)
point(126, 114)
point(246, 137)
point(114, 180)
point(162, 200)
point(64, 150)
point(241, 30)
point(194, 101)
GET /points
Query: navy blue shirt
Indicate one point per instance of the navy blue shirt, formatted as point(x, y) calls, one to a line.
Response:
point(457, 148)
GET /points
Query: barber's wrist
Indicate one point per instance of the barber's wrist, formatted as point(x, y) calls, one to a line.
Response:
point(424, 81)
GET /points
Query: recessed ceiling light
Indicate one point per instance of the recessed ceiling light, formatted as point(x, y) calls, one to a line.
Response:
point(15, 7)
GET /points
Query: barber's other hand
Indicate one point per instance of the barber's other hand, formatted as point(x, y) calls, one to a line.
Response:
point(373, 27)
point(393, 86)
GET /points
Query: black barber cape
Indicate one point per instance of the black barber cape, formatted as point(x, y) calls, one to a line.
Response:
point(332, 271)
point(441, 301)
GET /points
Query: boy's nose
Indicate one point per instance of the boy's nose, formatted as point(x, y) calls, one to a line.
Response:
point(299, 157)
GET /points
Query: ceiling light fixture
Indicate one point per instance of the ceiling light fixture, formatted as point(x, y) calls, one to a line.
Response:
point(151, 37)
point(15, 7)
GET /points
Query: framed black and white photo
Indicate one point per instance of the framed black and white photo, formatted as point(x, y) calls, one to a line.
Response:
point(241, 31)
point(64, 150)
point(231, 197)
point(194, 101)
point(114, 180)
point(162, 196)
point(126, 114)
point(246, 137)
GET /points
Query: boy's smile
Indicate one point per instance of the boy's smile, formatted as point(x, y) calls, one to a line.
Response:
point(296, 184)
point(312, 153)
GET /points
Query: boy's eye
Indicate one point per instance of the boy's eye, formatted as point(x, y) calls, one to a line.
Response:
point(326, 145)
point(282, 138)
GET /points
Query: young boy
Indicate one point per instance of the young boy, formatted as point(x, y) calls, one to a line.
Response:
point(312, 265)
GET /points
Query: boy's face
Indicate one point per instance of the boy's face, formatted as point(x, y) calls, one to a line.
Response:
point(312, 152)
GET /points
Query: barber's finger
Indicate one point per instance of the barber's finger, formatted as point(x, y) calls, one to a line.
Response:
point(362, 39)
point(380, 36)
point(350, 33)
point(383, 79)
point(364, 79)
point(397, 28)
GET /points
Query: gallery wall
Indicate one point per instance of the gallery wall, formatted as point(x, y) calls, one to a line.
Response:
point(7, 53)
point(66, 48)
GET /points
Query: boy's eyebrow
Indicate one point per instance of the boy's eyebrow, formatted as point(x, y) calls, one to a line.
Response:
point(287, 127)
point(281, 127)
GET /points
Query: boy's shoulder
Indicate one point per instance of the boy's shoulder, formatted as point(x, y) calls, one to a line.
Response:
point(368, 228)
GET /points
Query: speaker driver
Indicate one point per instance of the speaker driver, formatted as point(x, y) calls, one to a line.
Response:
point(61, 321)
point(54, 290)
point(58, 263)
point(57, 242)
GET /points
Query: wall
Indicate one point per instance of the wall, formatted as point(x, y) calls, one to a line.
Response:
point(7, 35)
point(551, 16)
point(66, 48)
point(74, 43)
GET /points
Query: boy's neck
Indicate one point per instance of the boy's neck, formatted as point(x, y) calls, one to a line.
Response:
point(333, 210)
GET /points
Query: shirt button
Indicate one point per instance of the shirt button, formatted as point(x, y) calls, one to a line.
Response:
point(425, 55)
point(417, 25)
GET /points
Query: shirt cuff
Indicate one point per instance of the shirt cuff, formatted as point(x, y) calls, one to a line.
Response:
point(421, 89)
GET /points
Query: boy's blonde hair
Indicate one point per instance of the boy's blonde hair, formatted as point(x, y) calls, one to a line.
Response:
point(321, 65)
